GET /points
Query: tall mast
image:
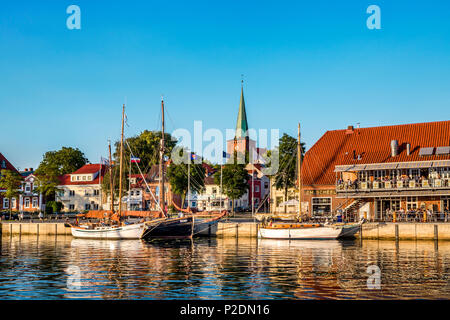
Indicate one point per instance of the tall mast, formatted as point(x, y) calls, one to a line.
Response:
point(111, 179)
point(121, 165)
point(161, 162)
point(299, 169)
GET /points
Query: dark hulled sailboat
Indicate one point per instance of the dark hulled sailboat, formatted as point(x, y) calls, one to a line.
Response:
point(167, 227)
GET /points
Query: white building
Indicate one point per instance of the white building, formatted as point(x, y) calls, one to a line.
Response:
point(81, 190)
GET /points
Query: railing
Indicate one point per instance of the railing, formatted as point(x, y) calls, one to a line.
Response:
point(420, 184)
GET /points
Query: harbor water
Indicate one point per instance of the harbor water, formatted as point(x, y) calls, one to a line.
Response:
point(61, 267)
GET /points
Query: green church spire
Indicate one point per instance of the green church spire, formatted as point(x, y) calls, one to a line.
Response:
point(242, 125)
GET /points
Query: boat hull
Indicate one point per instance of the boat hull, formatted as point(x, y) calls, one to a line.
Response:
point(317, 233)
point(133, 231)
point(170, 229)
point(205, 227)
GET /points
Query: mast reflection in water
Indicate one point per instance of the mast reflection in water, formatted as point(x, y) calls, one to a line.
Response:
point(65, 268)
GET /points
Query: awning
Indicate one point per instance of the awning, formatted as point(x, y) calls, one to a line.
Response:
point(441, 163)
point(392, 166)
point(351, 167)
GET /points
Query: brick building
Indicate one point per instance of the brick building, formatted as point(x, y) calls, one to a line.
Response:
point(372, 171)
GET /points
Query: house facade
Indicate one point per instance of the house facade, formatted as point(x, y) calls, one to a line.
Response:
point(81, 190)
point(5, 202)
point(30, 200)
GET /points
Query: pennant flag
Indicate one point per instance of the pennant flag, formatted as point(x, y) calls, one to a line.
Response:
point(225, 155)
point(135, 160)
point(104, 161)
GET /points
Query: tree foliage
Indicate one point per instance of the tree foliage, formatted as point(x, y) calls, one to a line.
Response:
point(146, 147)
point(178, 178)
point(10, 181)
point(286, 152)
point(234, 180)
point(55, 164)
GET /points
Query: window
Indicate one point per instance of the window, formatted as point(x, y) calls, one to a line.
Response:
point(84, 178)
point(411, 203)
point(5, 203)
point(96, 192)
point(71, 193)
point(3, 164)
point(256, 188)
point(27, 187)
point(138, 192)
point(27, 202)
point(13, 203)
point(131, 193)
point(71, 207)
point(214, 190)
point(266, 185)
point(35, 203)
point(87, 206)
point(95, 205)
point(78, 178)
point(321, 206)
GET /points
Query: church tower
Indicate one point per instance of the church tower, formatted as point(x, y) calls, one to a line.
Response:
point(241, 142)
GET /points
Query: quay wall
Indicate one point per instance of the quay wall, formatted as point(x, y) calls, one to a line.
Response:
point(27, 228)
point(388, 231)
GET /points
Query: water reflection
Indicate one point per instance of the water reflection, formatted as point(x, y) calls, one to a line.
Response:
point(63, 267)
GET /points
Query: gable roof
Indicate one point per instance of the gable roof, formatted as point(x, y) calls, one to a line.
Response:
point(86, 169)
point(373, 144)
point(8, 164)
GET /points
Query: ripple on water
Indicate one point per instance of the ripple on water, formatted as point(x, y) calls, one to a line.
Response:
point(67, 268)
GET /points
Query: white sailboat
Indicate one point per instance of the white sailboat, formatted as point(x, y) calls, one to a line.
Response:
point(286, 230)
point(118, 230)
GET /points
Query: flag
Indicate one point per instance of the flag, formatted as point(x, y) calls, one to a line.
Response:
point(193, 156)
point(104, 161)
point(225, 155)
point(135, 160)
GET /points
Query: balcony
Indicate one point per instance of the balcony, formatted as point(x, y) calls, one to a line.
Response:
point(391, 187)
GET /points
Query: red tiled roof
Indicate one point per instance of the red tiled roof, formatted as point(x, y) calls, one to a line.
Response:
point(86, 169)
point(9, 166)
point(374, 145)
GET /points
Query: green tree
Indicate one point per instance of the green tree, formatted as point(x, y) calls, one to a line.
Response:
point(234, 180)
point(63, 161)
point(106, 183)
point(146, 147)
point(286, 175)
point(178, 178)
point(55, 164)
point(10, 181)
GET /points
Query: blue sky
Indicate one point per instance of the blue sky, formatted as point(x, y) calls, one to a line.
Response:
point(310, 61)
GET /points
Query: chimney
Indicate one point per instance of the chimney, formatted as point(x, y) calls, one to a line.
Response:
point(349, 130)
point(408, 149)
point(394, 148)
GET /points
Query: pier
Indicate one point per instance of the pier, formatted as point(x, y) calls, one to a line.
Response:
point(31, 228)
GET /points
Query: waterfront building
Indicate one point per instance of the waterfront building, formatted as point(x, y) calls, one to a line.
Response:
point(81, 190)
point(140, 192)
point(375, 171)
point(30, 200)
point(4, 202)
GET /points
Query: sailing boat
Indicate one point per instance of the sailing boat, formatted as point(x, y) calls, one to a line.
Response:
point(181, 227)
point(117, 229)
point(284, 230)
